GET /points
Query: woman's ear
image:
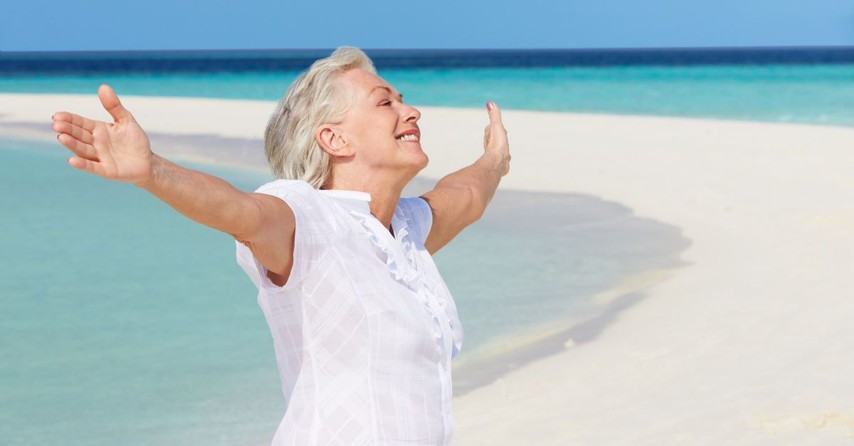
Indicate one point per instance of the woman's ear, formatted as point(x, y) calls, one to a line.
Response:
point(332, 141)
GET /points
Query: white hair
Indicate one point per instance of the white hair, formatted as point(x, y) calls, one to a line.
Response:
point(312, 100)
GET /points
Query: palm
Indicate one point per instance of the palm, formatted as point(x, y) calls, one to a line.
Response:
point(122, 149)
point(118, 151)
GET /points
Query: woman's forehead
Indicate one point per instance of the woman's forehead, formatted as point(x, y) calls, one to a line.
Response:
point(367, 83)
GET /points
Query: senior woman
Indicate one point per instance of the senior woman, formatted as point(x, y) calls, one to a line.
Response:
point(363, 325)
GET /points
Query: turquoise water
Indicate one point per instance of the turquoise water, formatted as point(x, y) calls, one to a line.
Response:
point(120, 323)
point(816, 94)
point(124, 323)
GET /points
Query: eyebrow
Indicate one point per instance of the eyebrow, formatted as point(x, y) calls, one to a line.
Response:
point(380, 87)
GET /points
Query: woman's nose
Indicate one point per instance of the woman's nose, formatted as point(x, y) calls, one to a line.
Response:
point(411, 114)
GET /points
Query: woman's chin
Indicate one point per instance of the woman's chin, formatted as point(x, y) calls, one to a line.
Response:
point(423, 161)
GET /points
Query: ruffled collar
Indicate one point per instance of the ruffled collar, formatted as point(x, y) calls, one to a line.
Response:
point(400, 252)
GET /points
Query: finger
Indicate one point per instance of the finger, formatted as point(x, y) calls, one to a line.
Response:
point(486, 137)
point(84, 123)
point(494, 114)
point(86, 165)
point(112, 104)
point(75, 132)
point(78, 148)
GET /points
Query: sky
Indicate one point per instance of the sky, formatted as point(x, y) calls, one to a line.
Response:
point(52, 25)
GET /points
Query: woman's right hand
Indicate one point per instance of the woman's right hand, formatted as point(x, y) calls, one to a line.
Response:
point(117, 151)
point(495, 141)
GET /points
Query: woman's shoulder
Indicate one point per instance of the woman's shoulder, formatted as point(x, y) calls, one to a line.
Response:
point(416, 213)
point(315, 212)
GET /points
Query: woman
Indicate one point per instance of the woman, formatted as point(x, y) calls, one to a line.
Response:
point(363, 326)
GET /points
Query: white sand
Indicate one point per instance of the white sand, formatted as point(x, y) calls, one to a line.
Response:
point(748, 344)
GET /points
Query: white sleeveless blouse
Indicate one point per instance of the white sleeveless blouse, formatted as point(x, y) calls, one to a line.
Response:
point(365, 328)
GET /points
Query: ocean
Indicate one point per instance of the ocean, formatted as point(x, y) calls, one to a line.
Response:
point(813, 85)
point(124, 323)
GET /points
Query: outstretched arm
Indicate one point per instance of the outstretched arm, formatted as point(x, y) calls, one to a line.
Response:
point(460, 198)
point(120, 151)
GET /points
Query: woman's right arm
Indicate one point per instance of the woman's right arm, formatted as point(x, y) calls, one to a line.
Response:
point(120, 151)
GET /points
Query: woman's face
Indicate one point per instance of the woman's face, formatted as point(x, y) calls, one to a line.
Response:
point(382, 131)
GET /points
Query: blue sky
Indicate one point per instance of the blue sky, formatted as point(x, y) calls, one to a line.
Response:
point(51, 25)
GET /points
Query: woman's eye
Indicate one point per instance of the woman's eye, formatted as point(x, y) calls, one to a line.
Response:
point(385, 103)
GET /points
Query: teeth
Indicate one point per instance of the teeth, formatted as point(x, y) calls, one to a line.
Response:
point(410, 137)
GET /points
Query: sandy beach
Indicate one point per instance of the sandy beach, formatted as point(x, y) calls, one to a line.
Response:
point(745, 345)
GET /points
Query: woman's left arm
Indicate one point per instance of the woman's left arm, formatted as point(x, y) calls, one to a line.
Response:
point(460, 198)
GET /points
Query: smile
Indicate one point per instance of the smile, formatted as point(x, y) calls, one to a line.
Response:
point(410, 137)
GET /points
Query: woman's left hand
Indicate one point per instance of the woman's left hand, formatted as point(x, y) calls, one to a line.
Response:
point(495, 144)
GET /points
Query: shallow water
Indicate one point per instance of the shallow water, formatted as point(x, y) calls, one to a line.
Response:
point(124, 323)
